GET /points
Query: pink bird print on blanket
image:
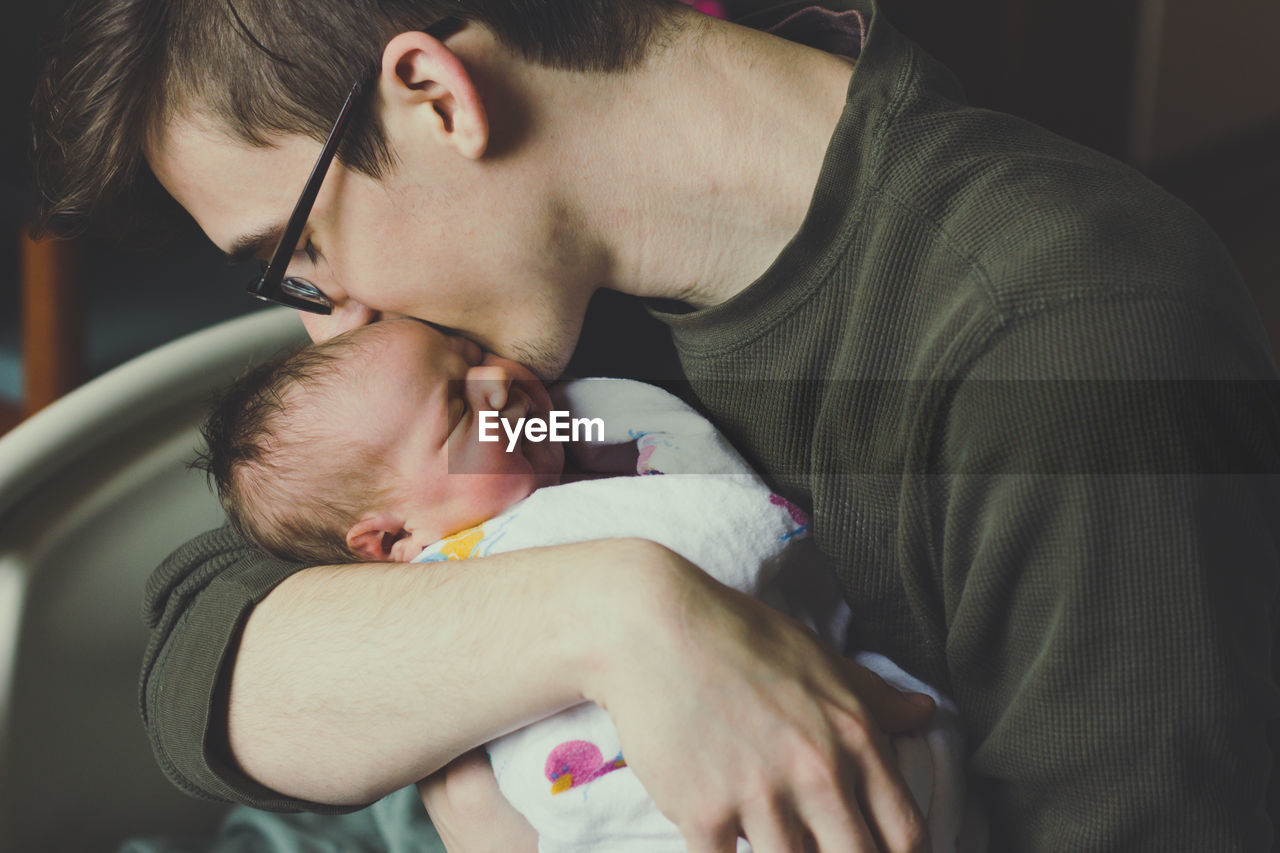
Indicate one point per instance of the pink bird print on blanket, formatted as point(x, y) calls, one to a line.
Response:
point(577, 762)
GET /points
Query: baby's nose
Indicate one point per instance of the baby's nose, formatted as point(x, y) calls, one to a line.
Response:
point(488, 386)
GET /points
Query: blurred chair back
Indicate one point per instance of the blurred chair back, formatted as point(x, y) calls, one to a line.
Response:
point(94, 492)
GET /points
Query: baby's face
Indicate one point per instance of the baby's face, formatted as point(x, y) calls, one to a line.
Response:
point(420, 403)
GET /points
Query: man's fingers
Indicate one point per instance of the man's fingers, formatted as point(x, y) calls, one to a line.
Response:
point(773, 831)
point(718, 837)
point(893, 710)
point(836, 826)
point(825, 796)
point(892, 816)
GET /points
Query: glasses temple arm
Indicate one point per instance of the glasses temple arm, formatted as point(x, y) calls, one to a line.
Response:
point(298, 219)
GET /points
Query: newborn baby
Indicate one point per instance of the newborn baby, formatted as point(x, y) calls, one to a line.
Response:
point(376, 446)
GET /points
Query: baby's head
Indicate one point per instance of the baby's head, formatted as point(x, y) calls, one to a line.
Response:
point(366, 446)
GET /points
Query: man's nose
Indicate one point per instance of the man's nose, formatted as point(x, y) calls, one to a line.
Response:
point(347, 315)
point(488, 387)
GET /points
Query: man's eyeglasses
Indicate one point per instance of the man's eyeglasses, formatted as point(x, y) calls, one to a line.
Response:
point(273, 285)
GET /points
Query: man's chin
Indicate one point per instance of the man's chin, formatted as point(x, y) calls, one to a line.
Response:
point(545, 359)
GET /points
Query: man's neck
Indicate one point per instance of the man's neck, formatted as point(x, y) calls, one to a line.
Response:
point(695, 171)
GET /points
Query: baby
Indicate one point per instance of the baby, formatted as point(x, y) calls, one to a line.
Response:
point(383, 444)
point(355, 449)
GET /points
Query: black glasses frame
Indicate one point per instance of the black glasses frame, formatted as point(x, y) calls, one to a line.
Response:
point(273, 285)
point(295, 292)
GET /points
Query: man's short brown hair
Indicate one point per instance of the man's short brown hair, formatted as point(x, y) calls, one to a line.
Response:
point(262, 68)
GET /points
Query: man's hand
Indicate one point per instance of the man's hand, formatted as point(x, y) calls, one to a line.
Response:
point(470, 812)
point(472, 816)
point(739, 723)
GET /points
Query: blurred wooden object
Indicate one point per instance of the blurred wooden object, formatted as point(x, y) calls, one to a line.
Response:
point(52, 324)
point(9, 417)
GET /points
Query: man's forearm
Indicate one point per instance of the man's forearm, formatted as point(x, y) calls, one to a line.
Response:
point(353, 681)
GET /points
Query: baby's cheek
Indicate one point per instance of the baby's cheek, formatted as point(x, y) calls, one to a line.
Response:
point(547, 462)
point(556, 457)
point(490, 495)
point(517, 482)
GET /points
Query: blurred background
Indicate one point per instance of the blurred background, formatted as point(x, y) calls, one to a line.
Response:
point(1185, 91)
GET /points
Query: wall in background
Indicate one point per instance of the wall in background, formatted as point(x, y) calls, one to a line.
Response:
point(131, 301)
point(1204, 77)
point(1186, 91)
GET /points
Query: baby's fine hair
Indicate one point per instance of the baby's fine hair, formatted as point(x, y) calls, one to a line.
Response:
point(286, 481)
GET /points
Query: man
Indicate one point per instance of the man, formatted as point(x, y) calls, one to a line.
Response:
point(973, 352)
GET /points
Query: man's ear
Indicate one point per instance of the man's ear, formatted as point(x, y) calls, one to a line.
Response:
point(419, 72)
point(373, 536)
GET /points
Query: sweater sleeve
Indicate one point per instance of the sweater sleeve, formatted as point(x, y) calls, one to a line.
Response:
point(196, 604)
point(1107, 545)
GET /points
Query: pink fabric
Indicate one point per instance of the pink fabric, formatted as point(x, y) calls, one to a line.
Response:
point(713, 8)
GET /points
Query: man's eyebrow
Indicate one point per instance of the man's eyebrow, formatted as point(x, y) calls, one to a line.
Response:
point(255, 244)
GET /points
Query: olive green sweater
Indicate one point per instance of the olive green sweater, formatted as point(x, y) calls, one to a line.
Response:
point(1031, 409)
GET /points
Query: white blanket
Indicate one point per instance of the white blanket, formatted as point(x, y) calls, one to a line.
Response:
point(566, 774)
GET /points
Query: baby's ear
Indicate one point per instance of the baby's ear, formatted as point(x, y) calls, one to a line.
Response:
point(373, 536)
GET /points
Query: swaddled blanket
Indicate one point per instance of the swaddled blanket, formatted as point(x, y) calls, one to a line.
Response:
point(694, 494)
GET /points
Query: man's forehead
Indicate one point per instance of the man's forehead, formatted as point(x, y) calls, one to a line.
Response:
point(239, 194)
point(191, 150)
